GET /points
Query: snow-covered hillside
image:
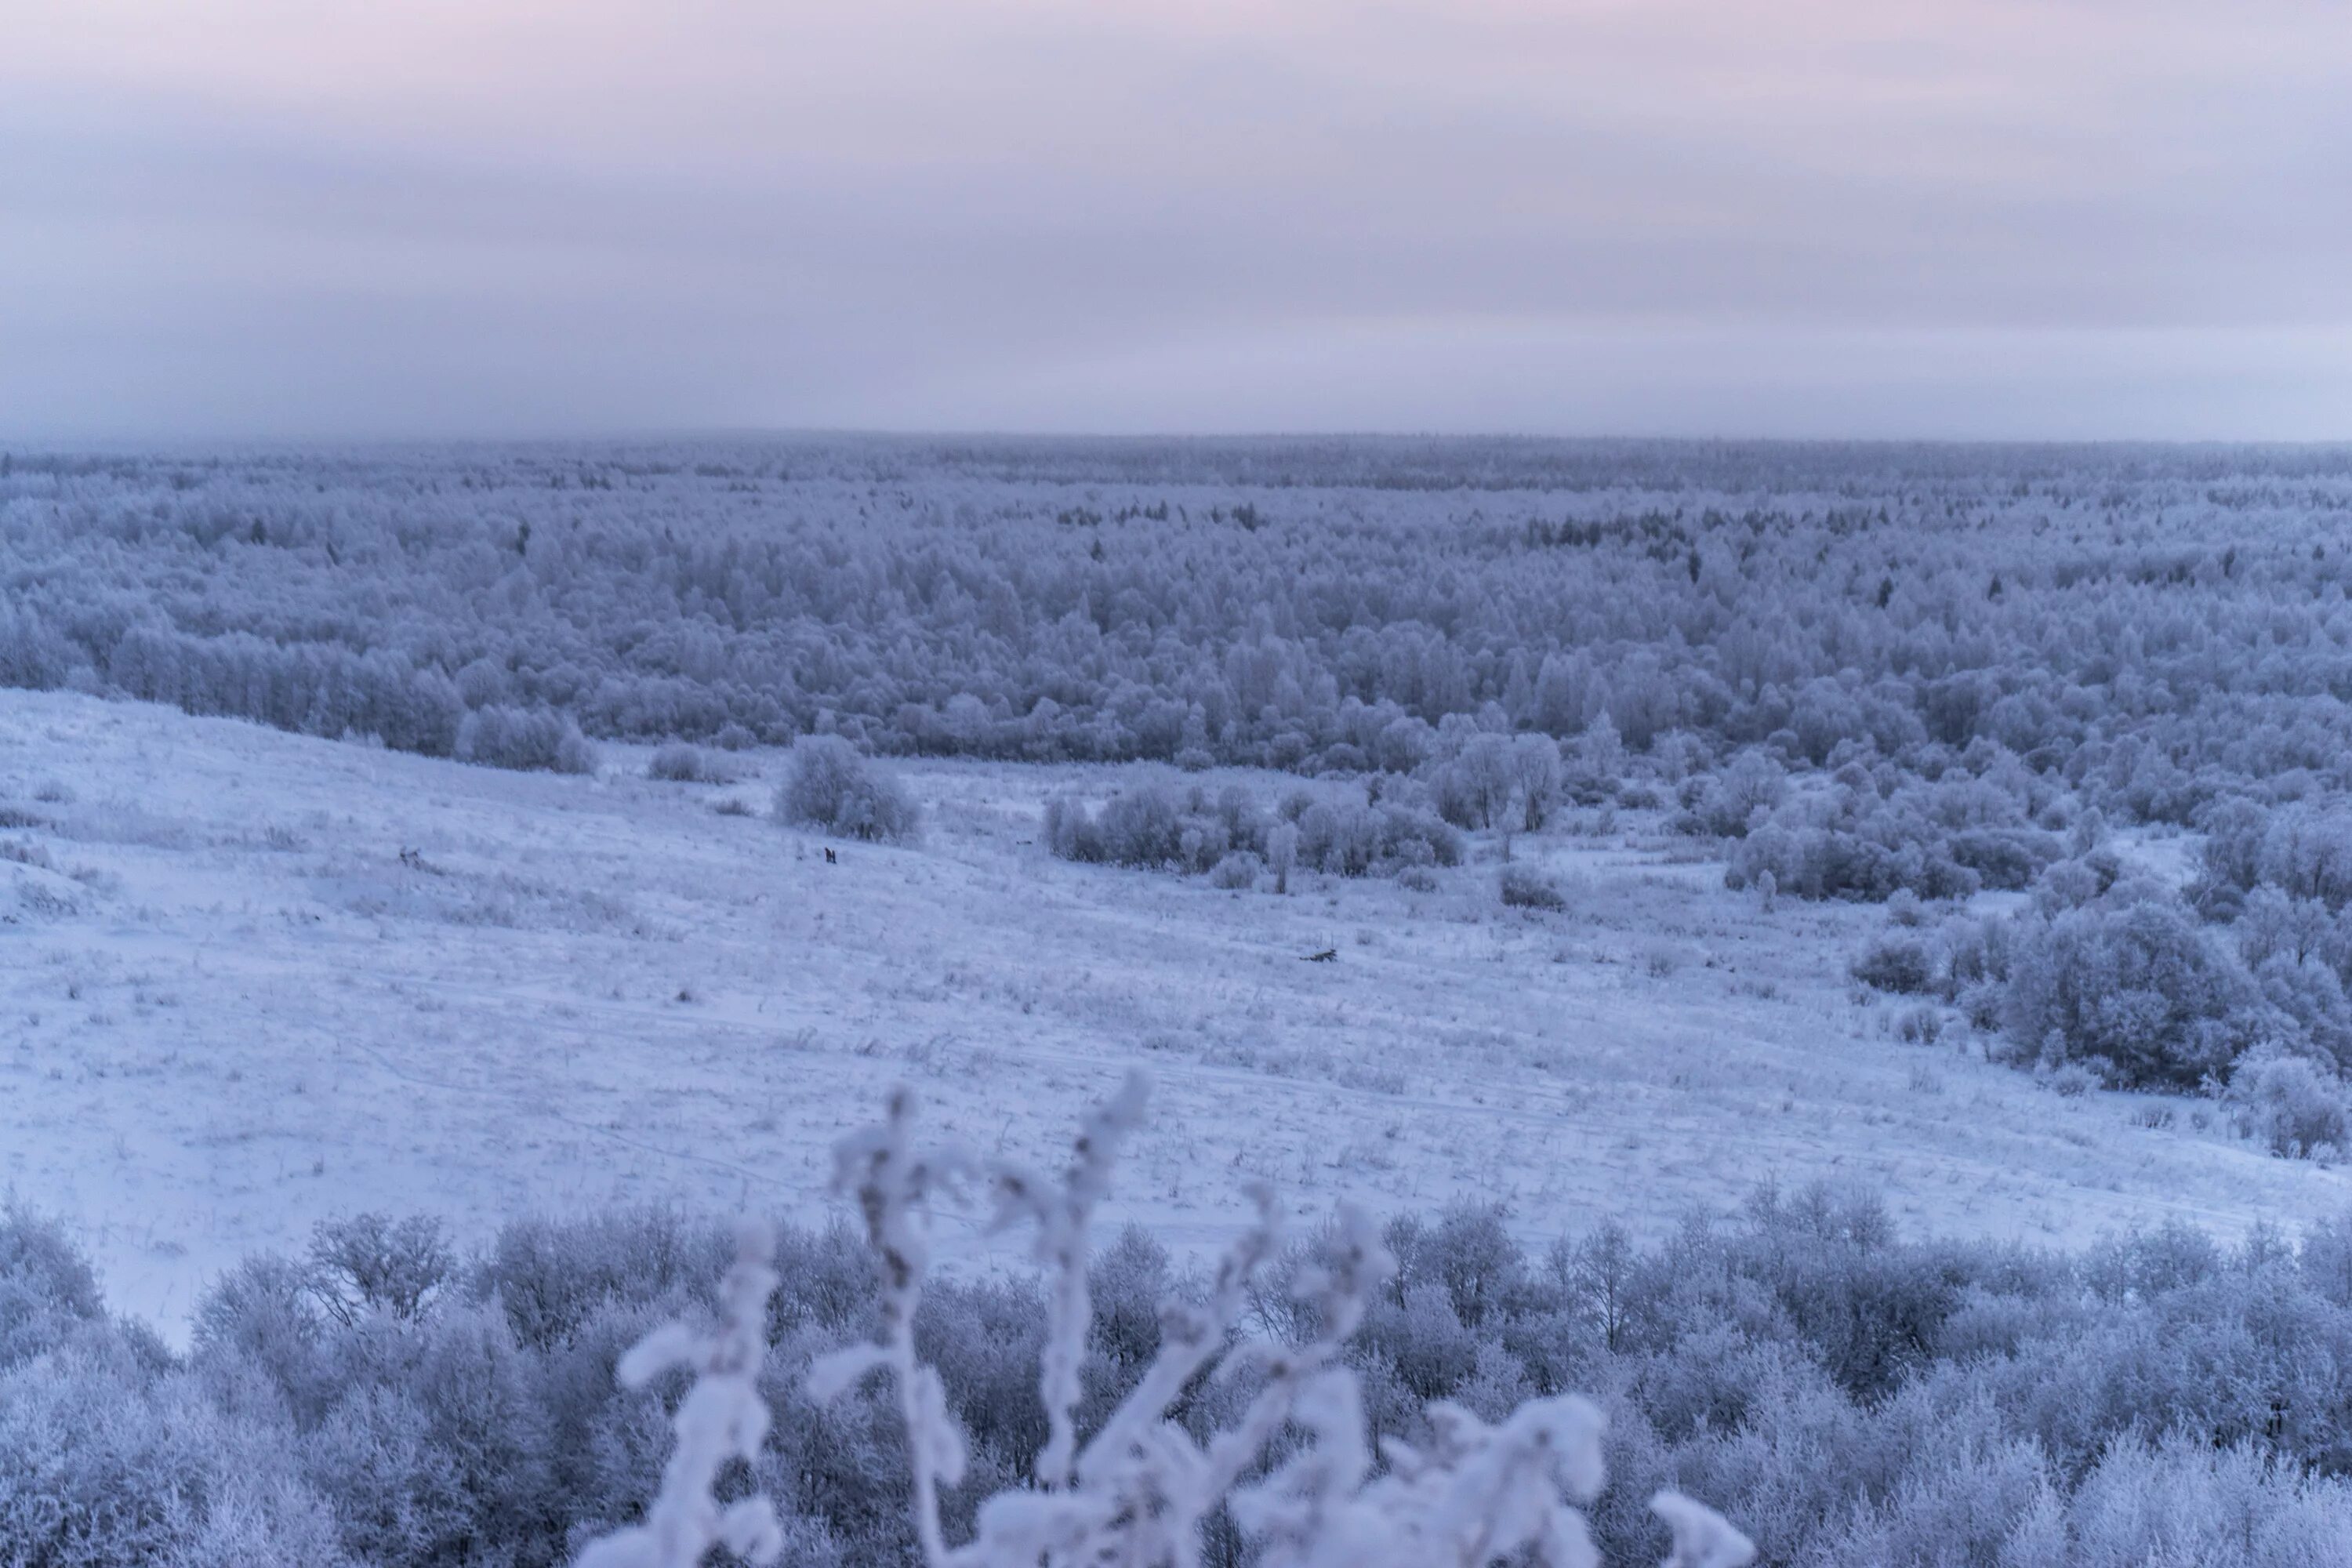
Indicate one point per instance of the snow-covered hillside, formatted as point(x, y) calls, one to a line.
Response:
point(251, 980)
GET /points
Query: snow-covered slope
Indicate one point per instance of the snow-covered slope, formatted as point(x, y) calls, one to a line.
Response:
point(230, 1004)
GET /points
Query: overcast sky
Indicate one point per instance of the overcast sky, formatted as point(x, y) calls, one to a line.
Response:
point(1874, 218)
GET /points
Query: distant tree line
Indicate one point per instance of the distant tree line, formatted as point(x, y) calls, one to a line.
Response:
point(2144, 629)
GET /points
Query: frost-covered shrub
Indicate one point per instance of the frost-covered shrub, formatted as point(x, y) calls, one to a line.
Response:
point(2299, 852)
point(2272, 924)
point(1474, 788)
point(2306, 853)
point(828, 785)
point(552, 1279)
point(2072, 1080)
point(1827, 863)
point(1743, 793)
point(1977, 952)
point(2291, 1106)
point(1348, 839)
point(47, 1288)
point(438, 1442)
point(1848, 1393)
point(1159, 826)
point(1525, 888)
point(680, 762)
point(1150, 825)
point(1919, 1026)
point(537, 740)
point(2140, 993)
point(1237, 871)
point(2001, 858)
point(2308, 999)
point(2070, 884)
point(108, 1458)
point(1943, 838)
point(1897, 961)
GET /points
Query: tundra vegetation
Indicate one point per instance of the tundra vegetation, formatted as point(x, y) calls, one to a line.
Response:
point(2073, 723)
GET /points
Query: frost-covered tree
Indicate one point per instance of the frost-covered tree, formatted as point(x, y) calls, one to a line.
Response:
point(1536, 776)
point(2140, 992)
point(1484, 775)
point(372, 1263)
point(1282, 853)
point(828, 785)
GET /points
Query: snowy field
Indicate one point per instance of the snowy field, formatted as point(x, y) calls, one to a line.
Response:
point(250, 980)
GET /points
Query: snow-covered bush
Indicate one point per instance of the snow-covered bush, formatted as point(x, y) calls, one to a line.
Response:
point(2291, 1105)
point(539, 739)
point(1150, 825)
point(2138, 993)
point(2301, 853)
point(110, 1457)
point(1237, 871)
point(680, 762)
point(1724, 804)
point(1897, 961)
point(1847, 1394)
point(1919, 1026)
point(1474, 788)
point(1348, 839)
point(828, 785)
point(553, 1279)
point(2310, 1009)
point(1525, 888)
point(1161, 826)
point(47, 1289)
point(1940, 839)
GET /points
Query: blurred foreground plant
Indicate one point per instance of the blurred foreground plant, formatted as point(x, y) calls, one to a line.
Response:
point(1295, 1470)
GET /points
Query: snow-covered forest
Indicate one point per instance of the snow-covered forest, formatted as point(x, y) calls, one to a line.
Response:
point(2147, 629)
point(1837, 954)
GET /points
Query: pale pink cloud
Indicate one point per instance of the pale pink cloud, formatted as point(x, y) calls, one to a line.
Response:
point(830, 212)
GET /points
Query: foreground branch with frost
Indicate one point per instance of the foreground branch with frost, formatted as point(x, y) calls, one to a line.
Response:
point(1141, 1491)
point(722, 1418)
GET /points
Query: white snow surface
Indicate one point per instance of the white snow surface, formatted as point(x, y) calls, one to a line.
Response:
point(230, 1007)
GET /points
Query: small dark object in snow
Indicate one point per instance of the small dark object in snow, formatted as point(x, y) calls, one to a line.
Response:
point(1328, 955)
point(829, 859)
